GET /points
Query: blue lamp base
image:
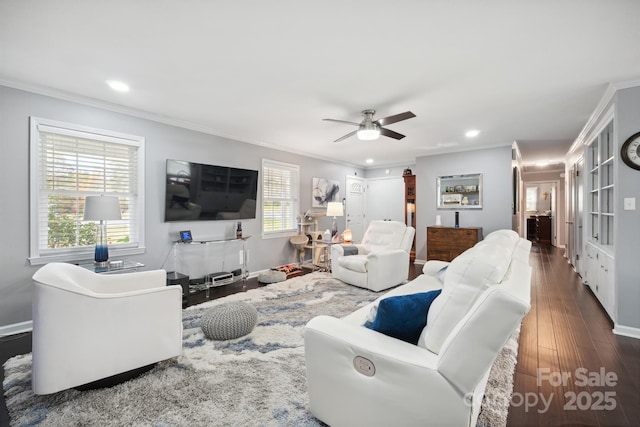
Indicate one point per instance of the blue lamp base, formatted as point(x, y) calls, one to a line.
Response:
point(101, 257)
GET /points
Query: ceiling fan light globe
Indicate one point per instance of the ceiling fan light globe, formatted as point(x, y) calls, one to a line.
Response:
point(368, 134)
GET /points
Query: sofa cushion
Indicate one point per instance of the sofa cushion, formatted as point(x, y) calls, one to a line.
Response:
point(384, 235)
point(485, 263)
point(403, 316)
point(508, 234)
point(466, 278)
point(354, 263)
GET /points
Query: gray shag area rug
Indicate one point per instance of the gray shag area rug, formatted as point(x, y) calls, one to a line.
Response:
point(255, 380)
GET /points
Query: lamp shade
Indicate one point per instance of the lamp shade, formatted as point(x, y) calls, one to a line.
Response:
point(97, 208)
point(334, 209)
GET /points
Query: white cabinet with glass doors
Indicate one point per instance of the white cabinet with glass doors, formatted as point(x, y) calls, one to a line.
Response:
point(600, 154)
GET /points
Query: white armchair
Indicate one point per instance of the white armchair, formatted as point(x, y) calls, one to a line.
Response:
point(87, 326)
point(381, 260)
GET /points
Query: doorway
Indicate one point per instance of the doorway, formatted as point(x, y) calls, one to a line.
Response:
point(541, 198)
point(578, 214)
point(385, 200)
point(354, 209)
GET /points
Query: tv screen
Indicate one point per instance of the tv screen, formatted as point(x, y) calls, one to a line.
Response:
point(199, 192)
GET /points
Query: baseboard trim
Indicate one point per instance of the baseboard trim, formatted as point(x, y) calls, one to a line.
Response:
point(16, 328)
point(256, 273)
point(626, 331)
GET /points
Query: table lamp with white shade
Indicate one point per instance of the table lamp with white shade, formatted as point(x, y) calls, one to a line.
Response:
point(101, 208)
point(334, 209)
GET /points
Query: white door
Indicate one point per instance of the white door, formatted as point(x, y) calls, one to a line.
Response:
point(385, 199)
point(554, 214)
point(578, 216)
point(571, 206)
point(354, 210)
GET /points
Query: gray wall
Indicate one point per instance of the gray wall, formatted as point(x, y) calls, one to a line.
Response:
point(495, 166)
point(627, 223)
point(387, 171)
point(162, 141)
point(165, 141)
point(626, 104)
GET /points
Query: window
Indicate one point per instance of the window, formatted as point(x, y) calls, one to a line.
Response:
point(279, 198)
point(532, 198)
point(68, 163)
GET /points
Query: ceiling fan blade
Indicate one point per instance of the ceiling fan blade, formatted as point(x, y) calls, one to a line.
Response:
point(349, 135)
point(342, 121)
point(395, 118)
point(390, 133)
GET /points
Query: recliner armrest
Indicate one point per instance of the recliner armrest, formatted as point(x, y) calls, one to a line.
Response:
point(383, 253)
point(432, 267)
point(338, 250)
point(483, 332)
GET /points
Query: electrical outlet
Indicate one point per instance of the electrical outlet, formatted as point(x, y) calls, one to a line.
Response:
point(629, 203)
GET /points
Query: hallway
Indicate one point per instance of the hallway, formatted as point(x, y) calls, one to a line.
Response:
point(565, 330)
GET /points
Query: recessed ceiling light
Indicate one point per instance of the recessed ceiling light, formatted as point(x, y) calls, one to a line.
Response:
point(118, 86)
point(369, 161)
point(472, 133)
point(542, 163)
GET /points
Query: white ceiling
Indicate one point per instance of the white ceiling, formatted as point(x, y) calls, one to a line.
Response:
point(268, 72)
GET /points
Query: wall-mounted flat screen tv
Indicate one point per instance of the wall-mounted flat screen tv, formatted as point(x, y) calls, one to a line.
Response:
point(199, 192)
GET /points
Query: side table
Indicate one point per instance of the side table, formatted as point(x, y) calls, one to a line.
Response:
point(325, 265)
point(114, 267)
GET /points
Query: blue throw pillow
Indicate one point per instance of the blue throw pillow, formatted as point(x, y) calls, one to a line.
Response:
point(403, 316)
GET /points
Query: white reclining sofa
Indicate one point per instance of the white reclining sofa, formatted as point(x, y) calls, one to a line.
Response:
point(357, 376)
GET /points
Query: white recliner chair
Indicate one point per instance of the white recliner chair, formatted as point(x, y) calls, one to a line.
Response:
point(88, 326)
point(380, 261)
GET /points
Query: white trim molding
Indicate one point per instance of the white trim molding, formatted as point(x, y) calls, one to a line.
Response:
point(16, 328)
point(608, 95)
point(626, 331)
point(146, 115)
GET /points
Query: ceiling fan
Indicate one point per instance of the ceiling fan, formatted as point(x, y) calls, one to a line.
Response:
point(369, 129)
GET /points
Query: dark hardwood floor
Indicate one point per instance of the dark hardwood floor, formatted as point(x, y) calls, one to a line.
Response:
point(11, 346)
point(565, 330)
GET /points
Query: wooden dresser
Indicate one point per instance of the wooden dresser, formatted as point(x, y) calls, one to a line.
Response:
point(446, 243)
point(543, 229)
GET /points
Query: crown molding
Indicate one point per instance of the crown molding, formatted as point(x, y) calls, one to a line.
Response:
point(604, 101)
point(525, 171)
point(142, 114)
point(609, 92)
point(626, 84)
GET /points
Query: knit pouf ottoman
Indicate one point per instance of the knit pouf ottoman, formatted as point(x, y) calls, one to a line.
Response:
point(228, 321)
point(272, 276)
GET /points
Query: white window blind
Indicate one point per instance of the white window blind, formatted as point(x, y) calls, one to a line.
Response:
point(280, 183)
point(70, 162)
point(532, 198)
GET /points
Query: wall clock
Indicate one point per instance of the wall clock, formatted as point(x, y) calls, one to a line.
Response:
point(630, 151)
